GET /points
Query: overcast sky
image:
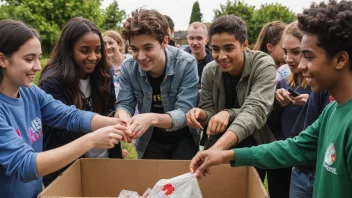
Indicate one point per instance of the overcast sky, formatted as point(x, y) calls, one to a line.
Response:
point(180, 10)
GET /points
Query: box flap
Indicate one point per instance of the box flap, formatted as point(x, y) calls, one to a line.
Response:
point(255, 188)
point(67, 184)
point(108, 177)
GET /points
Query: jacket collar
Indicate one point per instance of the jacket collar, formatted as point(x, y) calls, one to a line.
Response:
point(170, 62)
point(247, 67)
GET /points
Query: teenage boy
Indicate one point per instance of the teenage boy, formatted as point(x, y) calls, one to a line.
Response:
point(171, 30)
point(238, 90)
point(197, 37)
point(326, 64)
point(163, 81)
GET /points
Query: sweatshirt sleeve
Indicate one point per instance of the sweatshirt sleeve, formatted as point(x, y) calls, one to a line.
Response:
point(17, 157)
point(58, 115)
point(279, 154)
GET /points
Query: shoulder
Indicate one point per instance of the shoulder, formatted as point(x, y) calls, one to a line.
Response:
point(175, 54)
point(259, 60)
point(129, 65)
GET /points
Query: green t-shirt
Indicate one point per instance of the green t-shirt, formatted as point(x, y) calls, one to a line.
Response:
point(327, 142)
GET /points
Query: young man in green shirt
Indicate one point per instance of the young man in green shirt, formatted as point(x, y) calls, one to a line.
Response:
point(326, 64)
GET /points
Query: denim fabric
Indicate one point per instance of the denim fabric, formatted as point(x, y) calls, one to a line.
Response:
point(301, 184)
point(178, 91)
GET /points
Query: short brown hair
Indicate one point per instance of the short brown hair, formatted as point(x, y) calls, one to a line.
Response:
point(145, 21)
point(117, 37)
point(230, 24)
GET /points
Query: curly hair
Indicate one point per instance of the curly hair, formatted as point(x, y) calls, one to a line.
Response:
point(230, 24)
point(331, 22)
point(145, 21)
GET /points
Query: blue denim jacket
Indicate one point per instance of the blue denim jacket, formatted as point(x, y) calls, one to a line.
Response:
point(178, 92)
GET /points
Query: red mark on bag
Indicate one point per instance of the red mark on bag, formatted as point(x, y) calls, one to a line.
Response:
point(168, 189)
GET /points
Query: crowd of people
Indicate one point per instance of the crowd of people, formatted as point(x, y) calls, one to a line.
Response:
point(282, 107)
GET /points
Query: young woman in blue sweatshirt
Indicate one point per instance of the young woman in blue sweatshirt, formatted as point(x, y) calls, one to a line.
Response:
point(78, 73)
point(24, 108)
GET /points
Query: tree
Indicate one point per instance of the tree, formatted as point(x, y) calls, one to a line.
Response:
point(270, 12)
point(255, 19)
point(196, 15)
point(113, 17)
point(241, 9)
point(49, 16)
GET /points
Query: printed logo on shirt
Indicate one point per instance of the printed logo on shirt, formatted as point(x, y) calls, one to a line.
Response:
point(330, 158)
point(157, 101)
point(18, 132)
point(36, 130)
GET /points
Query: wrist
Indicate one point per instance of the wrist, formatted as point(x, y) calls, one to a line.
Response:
point(230, 114)
point(202, 116)
point(227, 156)
point(153, 118)
point(90, 140)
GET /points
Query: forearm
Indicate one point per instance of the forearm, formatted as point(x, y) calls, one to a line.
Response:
point(99, 121)
point(53, 160)
point(163, 121)
point(226, 141)
point(279, 154)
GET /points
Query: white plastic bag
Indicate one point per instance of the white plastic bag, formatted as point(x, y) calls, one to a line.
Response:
point(128, 194)
point(183, 186)
point(132, 194)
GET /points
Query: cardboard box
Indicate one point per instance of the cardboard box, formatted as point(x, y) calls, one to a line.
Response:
point(107, 177)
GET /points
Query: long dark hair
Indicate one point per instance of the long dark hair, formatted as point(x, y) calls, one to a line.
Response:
point(13, 35)
point(61, 66)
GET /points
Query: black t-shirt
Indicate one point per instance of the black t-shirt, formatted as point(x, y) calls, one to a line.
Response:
point(159, 134)
point(230, 83)
point(157, 105)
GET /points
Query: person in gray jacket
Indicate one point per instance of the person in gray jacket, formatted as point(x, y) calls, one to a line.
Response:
point(238, 90)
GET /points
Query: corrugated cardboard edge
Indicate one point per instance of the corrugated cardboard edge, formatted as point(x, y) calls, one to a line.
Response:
point(255, 188)
point(71, 184)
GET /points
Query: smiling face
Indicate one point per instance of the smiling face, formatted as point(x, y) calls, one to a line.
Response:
point(87, 53)
point(292, 50)
point(112, 47)
point(149, 53)
point(319, 71)
point(21, 67)
point(228, 52)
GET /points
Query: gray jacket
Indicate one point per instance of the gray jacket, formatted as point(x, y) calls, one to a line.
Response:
point(255, 96)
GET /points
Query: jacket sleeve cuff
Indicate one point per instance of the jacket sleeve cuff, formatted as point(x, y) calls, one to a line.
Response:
point(243, 157)
point(123, 108)
point(239, 131)
point(178, 118)
point(32, 169)
point(86, 122)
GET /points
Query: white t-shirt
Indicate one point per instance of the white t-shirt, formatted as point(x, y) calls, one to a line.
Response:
point(282, 72)
point(84, 86)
